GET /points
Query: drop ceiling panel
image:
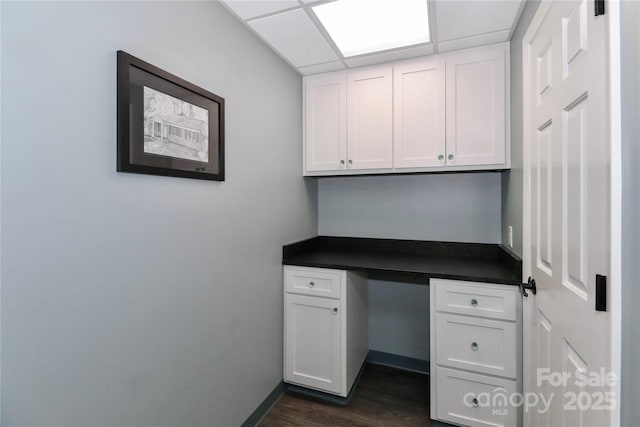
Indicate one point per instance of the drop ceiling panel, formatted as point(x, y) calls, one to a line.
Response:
point(295, 37)
point(466, 18)
point(247, 9)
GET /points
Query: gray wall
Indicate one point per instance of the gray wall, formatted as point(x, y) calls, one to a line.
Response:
point(630, 63)
point(512, 180)
point(450, 207)
point(129, 299)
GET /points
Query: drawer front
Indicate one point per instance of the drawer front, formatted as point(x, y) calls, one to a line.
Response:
point(479, 345)
point(457, 391)
point(313, 281)
point(476, 300)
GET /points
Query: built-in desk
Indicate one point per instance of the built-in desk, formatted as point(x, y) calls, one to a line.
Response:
point(475, 319)
point(416, 260)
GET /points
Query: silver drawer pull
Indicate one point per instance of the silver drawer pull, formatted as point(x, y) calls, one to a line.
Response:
point(335, 310)
point(474, 402)
point(474, 346)
point(312, 284)
point(474, 302)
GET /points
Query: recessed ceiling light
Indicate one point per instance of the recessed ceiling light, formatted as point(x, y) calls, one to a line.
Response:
point(364, 26)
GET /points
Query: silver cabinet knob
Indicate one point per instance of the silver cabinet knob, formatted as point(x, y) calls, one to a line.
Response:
point(441, 157)
point(342, 162)
point(474, 402)
point(335, 310)
point(474, 302)
point(350, 162)
point(474, 346)
point(450, 157)
point(312, 284)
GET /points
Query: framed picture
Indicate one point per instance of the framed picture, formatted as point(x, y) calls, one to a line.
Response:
point(166, 125)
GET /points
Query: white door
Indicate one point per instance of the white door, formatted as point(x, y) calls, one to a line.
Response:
point(567, 161)
point(369, 113)
point(313, 353)
point(325, 122)
point(476, 105)
point(419, 114)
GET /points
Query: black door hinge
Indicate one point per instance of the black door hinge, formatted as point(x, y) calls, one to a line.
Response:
point(599, 6)
point(531, 285)
point(601, 293)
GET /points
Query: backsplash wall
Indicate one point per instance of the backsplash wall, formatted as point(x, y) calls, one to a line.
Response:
point(450, 207)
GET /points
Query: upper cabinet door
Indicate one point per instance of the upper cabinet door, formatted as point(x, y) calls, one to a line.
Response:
point(476, 107)
point(369, 114)
point(325, 122)
point(419, 114)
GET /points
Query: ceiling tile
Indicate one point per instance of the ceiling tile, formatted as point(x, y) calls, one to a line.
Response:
point(295, 37)
point(393, 55)
point(459, 19)
point(247, 9)
point(322, 68)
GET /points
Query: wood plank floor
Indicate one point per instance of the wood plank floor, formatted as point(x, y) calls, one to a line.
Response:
point(384, 397)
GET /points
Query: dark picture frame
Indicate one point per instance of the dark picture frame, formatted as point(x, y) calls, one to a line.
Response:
point(166, 125)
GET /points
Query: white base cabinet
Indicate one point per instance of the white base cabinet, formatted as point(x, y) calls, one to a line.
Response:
point(476, 357)
point(325, 328)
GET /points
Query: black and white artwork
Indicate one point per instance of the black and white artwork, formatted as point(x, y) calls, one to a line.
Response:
point(167, 125)
point(174, 128)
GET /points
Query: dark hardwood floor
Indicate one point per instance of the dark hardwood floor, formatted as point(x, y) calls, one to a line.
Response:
point(384, 397)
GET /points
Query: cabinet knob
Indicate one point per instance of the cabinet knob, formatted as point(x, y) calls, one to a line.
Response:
point(441, 157)
point(335, 310)
point(474, 346)
point(474, 402)
point(474, 302)
point(312, 284)
point(350, 162)
point(450, 157)
point(342, 162)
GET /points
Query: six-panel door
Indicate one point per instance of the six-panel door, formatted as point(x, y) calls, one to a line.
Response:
point(313, 342)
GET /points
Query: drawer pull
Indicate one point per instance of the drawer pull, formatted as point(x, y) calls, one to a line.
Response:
point(312, 284)
point(474, 346)
point(335, 310)
point(474, 402)
point(474, 302)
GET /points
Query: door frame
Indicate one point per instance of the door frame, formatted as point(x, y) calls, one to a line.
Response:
point(614, 290)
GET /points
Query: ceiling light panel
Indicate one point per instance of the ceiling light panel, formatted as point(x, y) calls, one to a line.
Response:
point(364, 26)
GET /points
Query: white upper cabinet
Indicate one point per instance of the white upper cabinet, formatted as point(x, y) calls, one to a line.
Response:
point(369, 115)
point(476, 107)
point(419, 114)
point(326, 122)
point(446, 112)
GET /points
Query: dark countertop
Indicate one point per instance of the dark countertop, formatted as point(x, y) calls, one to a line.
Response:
point(408, 260)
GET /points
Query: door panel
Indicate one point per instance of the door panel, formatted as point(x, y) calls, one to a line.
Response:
point(313, 342)
point(419, 114)
point(369, 137)
point(568, 205)
point(325, 122)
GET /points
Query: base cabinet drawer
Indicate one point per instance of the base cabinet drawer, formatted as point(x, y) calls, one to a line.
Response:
point(480, 345)
point(474, 400)
point(314, 281)
point(490, 301)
